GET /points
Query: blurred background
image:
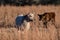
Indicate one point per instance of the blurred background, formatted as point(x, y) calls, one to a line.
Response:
point(29, 2)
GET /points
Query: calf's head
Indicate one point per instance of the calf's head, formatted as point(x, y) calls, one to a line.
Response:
point(40, 17)
point(31, 16)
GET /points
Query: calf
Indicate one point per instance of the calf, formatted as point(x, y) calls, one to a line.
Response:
point(24, 20)
point(46, 17)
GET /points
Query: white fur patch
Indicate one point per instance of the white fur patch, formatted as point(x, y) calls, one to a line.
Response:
point(21, 15)
point(27, 25)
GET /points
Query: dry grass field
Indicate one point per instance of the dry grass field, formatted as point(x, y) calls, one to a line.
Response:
point(36, 32)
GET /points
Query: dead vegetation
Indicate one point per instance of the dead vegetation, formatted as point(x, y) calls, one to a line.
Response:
point(36, 32)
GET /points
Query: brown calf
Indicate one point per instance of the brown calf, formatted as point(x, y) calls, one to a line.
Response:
point(46, 17)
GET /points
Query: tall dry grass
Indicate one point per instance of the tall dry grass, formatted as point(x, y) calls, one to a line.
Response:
point(9, 13)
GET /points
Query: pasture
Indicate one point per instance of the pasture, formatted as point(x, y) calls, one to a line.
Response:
point(9, 32)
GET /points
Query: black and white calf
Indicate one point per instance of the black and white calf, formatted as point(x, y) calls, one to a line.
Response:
point(24, 20)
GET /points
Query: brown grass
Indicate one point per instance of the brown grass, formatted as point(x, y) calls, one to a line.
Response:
point(9, 13)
